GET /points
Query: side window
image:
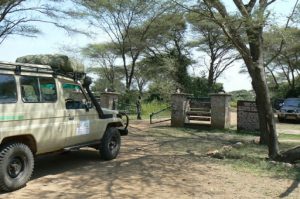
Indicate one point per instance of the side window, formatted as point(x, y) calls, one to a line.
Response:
point(8, 91)
point(30, 89)
point(38, 89)
point(48, 89)
point(74, 96)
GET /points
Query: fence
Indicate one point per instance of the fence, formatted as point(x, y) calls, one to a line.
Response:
point(163, 115)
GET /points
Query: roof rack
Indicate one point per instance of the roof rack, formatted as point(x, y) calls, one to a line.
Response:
point(18, 68)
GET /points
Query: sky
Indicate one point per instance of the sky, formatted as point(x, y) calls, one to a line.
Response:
point(53, 39)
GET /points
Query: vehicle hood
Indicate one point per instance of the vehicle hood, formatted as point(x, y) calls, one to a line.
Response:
point(109, 111)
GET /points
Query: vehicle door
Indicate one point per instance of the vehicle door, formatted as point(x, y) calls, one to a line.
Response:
point(82, 118)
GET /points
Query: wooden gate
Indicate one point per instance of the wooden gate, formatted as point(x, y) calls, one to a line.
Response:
point(199, 111)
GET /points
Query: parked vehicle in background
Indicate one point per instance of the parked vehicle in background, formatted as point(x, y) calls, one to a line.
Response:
point(290, 110)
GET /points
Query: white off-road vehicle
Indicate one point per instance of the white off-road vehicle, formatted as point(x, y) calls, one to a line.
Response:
point(44, 110)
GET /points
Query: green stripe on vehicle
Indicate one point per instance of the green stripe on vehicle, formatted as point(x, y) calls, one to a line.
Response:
point(8, 118)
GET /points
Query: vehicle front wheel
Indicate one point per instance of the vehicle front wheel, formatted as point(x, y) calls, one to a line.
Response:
point(110, 144)
point(16, 166)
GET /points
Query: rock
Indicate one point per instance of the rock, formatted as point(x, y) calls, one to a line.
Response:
point(210, 153)
point(215, 154)
point(124, 164)
point(287, 165)
point(226, 148)
point(297, 165)
point(238, 145)
point(273, 162)
point(256, 141)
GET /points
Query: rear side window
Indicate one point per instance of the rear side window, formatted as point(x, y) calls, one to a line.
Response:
point(38, 89)
point(8, 91)
point(48, 89)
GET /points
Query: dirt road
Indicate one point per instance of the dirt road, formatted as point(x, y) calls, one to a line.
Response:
point(144, 169)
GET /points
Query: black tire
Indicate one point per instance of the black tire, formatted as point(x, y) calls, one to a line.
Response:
point(110, 144)
point(16, 166)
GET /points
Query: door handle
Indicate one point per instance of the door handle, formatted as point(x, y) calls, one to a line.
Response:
point(71, 117)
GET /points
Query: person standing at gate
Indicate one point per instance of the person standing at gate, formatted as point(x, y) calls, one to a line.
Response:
point(138, 108)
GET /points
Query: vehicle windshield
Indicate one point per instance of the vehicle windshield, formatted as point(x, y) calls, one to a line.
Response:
point(292, 102)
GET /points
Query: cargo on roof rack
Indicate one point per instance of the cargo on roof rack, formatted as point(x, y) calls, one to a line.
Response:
point(57, 62)
point(18, 68)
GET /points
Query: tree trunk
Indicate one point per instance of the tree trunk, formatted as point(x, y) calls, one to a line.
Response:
point(266, 116)
point(256, 70)
point(211, 75)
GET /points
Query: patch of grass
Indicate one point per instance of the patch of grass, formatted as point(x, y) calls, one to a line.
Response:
point(264, 168)
point(288, 126)
point(290, 136)
point(248, 157)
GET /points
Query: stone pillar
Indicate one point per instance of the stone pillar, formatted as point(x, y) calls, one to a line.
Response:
point(109, 100)
point(220, 110)
point(180, 104)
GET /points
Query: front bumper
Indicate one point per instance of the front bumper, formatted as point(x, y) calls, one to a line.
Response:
point(289, 116)
point(123, 132)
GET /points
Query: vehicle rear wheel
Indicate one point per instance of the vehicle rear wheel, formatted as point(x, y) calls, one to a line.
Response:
point(110, 144)
point(16, 166)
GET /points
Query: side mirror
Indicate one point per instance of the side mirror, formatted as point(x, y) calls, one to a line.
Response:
point(88, 106)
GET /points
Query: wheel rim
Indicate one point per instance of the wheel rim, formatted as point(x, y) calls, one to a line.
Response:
point(113, 144)
point(15, 167)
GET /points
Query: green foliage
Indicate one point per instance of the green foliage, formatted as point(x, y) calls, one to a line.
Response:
point(199, 87)
point(242, 95)
point(102, 84)
point(154, 106)
point(160, 91)
point(282, 55)
point(285, 91)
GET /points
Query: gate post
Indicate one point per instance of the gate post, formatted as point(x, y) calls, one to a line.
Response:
point(180, 104)
point(109, 100)
point(220, 110)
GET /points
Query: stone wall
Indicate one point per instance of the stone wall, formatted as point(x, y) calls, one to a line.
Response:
point(247, 116)
point(109, 100)
point(220, 110)
point(180, 104)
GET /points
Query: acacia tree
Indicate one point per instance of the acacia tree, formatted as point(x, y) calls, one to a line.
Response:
point(13, 19)
point(20, 17)
point(167, 46)
point(127, 23)
point(285, 67)
point(215, 45)
point(104, 57)
point(251, 22)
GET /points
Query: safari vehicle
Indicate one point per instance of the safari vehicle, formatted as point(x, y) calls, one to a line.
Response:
point(289, 110)
point(44, 110)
